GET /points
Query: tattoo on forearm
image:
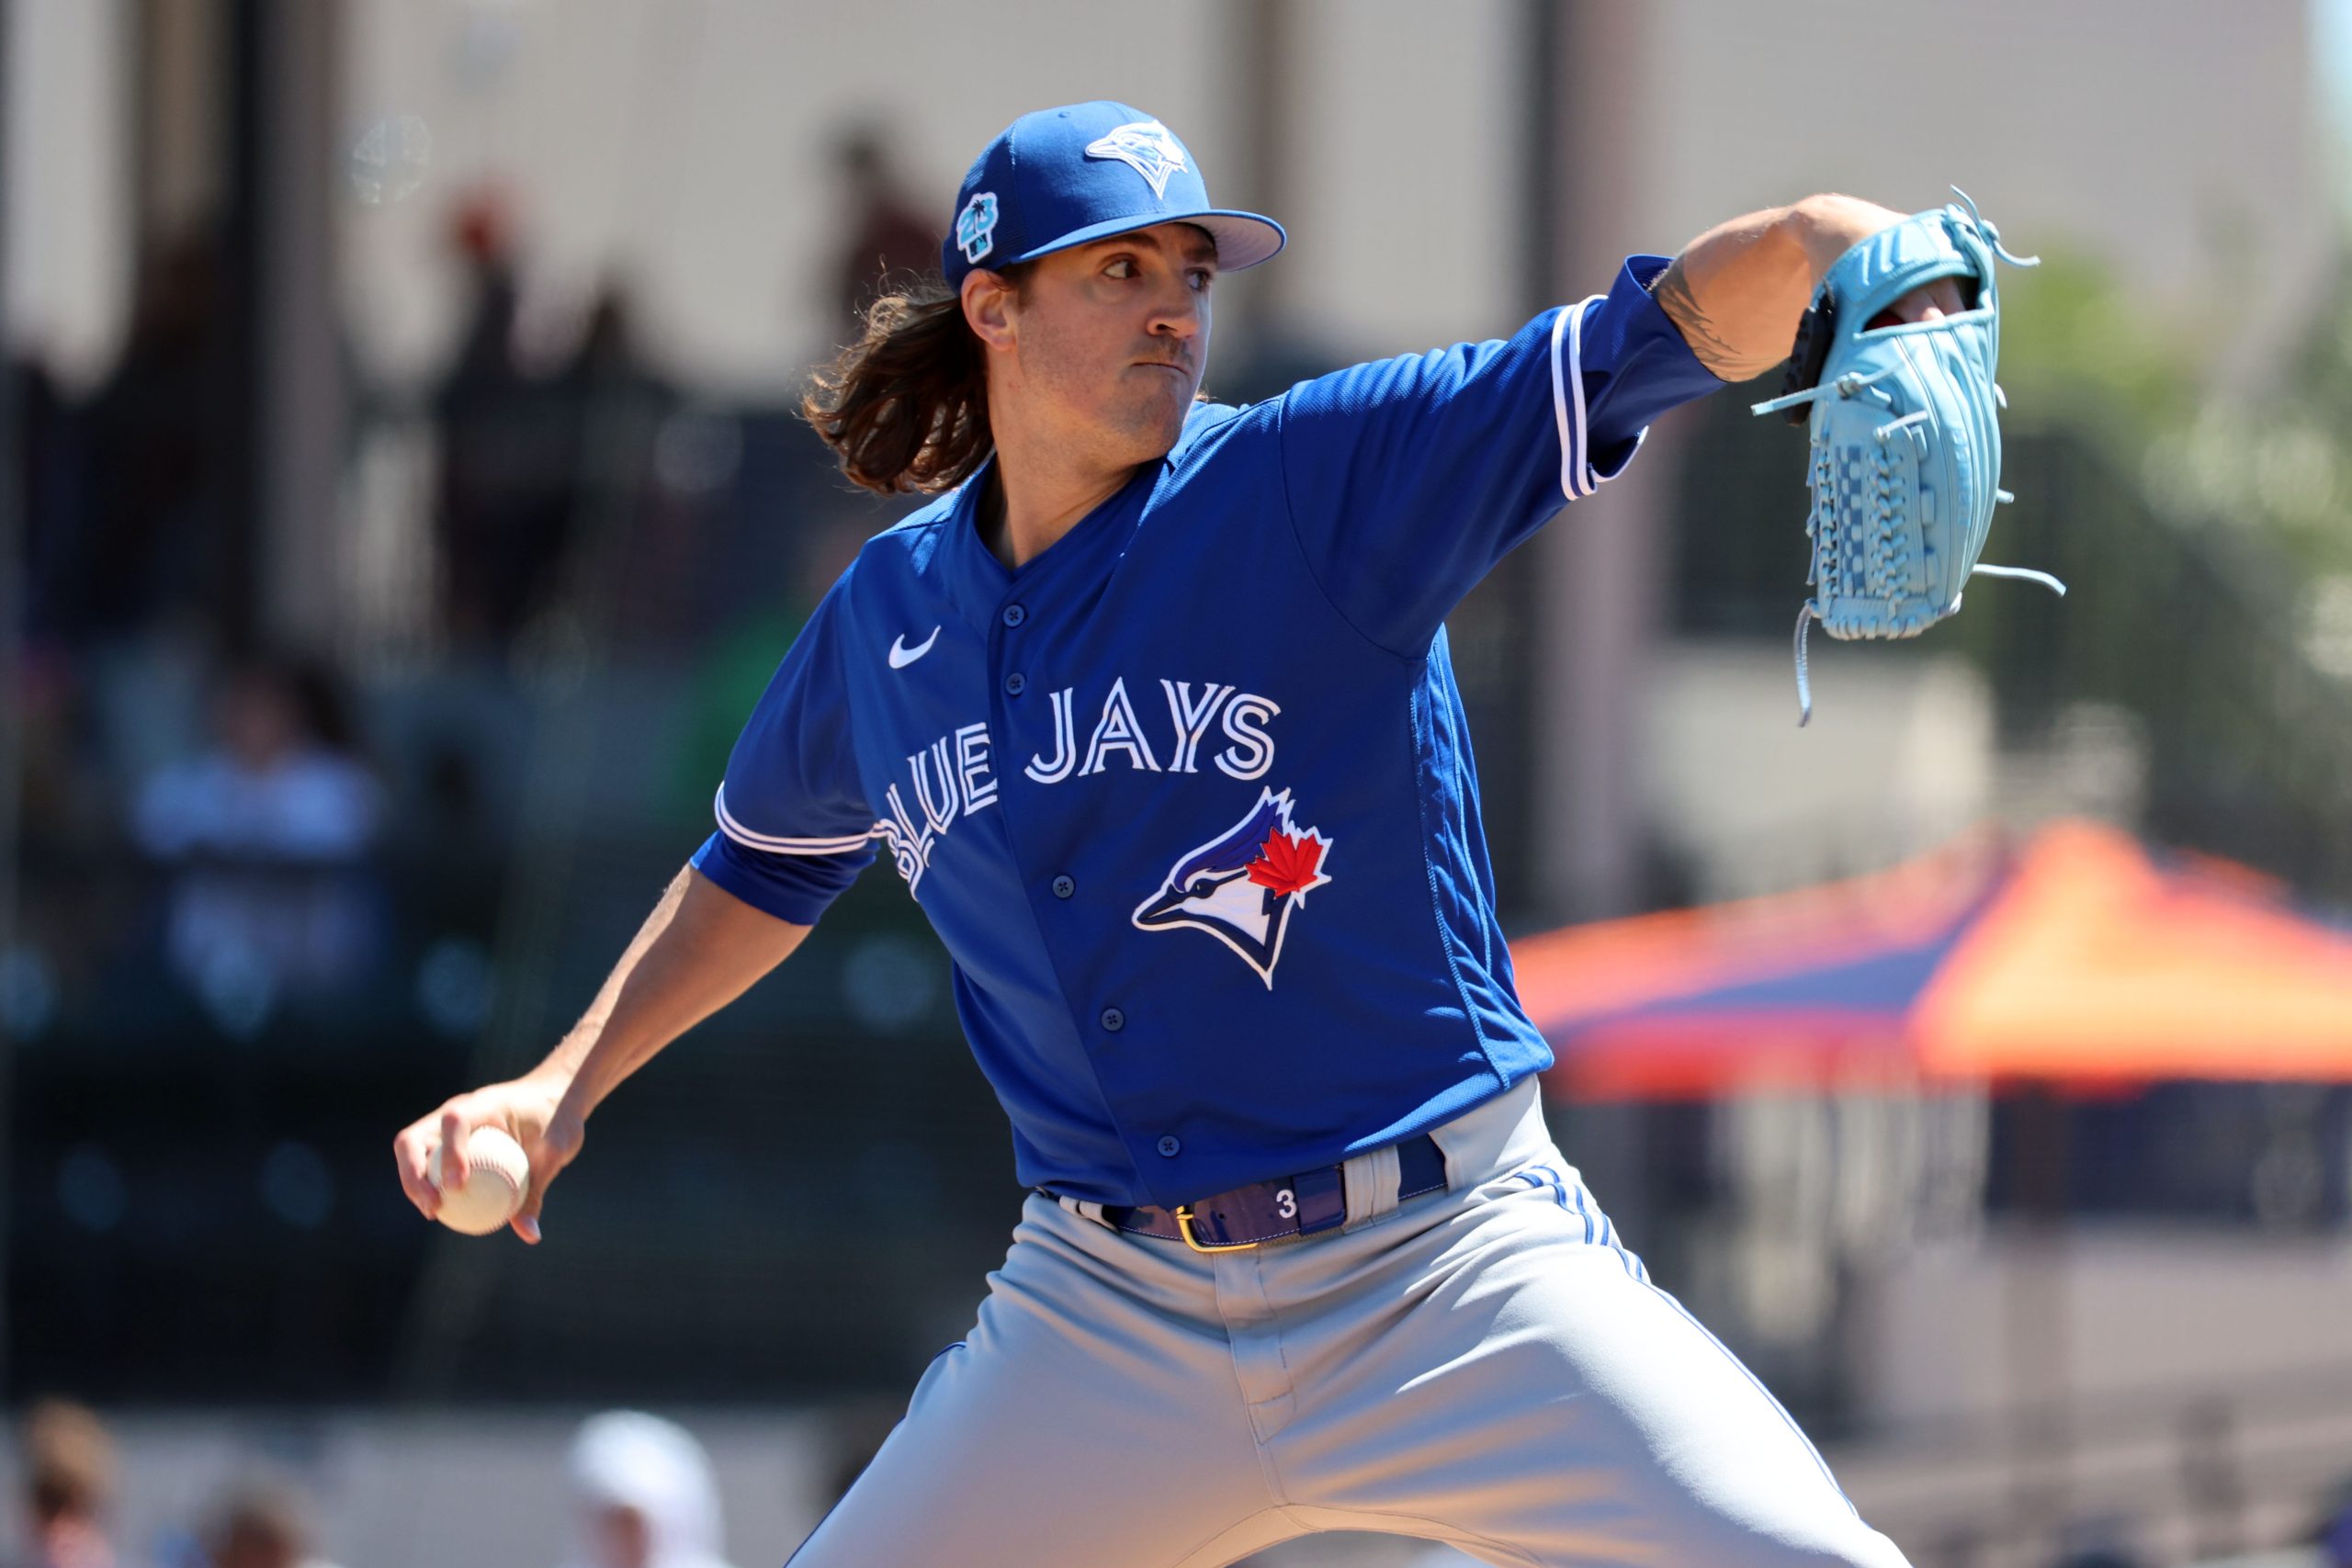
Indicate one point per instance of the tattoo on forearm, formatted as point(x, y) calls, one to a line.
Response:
point(1672, 292)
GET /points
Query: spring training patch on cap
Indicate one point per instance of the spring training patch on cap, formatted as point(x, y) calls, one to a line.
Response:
point(1147, 147)
point(976, 226)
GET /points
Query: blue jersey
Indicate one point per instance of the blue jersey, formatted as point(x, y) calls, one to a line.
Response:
point(1189, 797)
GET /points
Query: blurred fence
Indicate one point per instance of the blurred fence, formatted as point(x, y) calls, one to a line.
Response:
point(2186, 1472)
point(203, 1207)
point(2183, 625)
point(200, 1202)
point(805, 1194)
point(2191, 625)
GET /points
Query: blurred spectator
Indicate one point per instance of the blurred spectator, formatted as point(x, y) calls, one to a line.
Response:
point(2333, 1533)
point(607, 367)
point(503, 512)
point(268, 834)
point(646, 1496)
point(859, 1431)
point(890, 234)
point(2104, 1555)
point(261, 1525)
point(46, 463)
point(147, 540)
point(69, 815)
point(68, 1481)
point(636, 548)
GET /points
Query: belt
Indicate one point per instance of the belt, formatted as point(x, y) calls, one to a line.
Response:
point(1304, 1204)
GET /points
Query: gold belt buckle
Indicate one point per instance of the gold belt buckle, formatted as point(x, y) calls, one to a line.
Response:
point(1185, 1229)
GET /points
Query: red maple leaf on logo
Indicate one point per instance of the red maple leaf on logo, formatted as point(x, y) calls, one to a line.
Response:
point(1289, 864)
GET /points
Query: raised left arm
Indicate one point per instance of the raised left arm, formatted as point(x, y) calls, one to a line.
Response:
point(1736, 291)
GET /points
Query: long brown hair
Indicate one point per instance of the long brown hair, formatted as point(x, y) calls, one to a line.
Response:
point(905, 406)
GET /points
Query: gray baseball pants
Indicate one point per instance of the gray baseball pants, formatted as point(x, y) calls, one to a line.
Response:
point(1485, 1366)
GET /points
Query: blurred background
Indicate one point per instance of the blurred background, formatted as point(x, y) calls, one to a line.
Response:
point(403, 508)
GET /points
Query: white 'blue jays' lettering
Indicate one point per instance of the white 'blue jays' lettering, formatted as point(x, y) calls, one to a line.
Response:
point(1253, 752)
point(972, 767)
point(952, 776)
point(1192, 721)
point(1118, 731)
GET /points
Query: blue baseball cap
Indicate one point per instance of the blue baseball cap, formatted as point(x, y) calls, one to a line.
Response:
point(1060, 177)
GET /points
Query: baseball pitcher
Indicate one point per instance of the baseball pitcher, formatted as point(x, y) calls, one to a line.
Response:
point(1150, 709)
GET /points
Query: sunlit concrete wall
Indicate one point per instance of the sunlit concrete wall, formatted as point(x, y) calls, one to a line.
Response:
point(2180, 139)
point(684, 148)
point(67, 225)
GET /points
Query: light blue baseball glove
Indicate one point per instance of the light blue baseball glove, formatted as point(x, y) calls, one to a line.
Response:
point(1906, 435)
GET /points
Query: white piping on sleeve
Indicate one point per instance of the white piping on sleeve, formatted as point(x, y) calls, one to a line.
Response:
point(1577, 478)
point(767, 844)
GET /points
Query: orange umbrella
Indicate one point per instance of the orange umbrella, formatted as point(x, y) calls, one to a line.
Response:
point(2077, 957)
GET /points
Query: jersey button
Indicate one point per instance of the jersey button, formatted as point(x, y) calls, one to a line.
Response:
point(1015, 683)
point(1170, 1146)
point(1015, 615)
point(1112, 1019)
point(1064, 887)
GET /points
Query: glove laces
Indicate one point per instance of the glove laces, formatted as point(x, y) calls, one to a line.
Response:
point(1811, 613)
point(1991, 235)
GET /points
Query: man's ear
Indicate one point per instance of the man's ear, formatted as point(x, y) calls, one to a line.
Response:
point(989, 303)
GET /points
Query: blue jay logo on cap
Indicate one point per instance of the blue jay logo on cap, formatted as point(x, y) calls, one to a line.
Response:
point(1147, 147)
point(976, 226)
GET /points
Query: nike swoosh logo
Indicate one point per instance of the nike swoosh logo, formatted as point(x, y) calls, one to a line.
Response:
point(901, 656)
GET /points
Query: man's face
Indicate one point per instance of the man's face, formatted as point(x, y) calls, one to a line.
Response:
point(1110, 340)
point(256, 720)
point(619, 1537)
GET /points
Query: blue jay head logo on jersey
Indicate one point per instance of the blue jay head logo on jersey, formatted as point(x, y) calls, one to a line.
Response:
point(976, 226)
point(1147, 147)
point(1243, 886)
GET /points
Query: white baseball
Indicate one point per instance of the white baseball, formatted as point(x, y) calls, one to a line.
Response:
point(497, 1175)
